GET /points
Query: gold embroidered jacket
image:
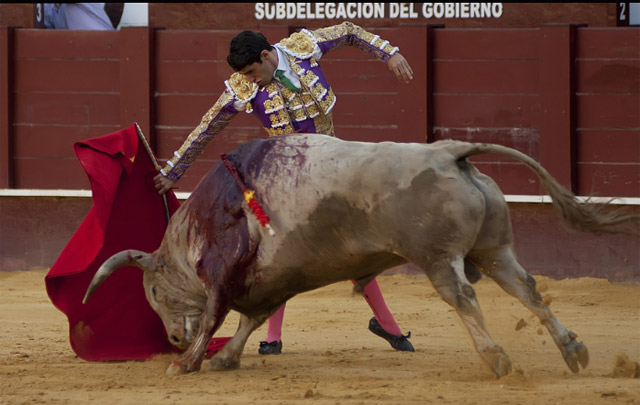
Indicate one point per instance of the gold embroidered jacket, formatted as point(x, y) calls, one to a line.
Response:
point(280, 110)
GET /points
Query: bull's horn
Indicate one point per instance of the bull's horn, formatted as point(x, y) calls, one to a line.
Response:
point(125, 258)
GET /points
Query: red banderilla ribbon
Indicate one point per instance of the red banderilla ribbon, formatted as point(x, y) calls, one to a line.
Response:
point(249, 196)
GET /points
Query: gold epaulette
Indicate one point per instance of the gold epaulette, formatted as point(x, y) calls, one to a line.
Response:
point(242, 89)
point(300, 44)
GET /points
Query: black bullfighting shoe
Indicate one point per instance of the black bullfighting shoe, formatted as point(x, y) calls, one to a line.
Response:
point(274, 347)
point(398, 342)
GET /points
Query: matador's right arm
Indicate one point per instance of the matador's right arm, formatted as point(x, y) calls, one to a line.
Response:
point(234, 99)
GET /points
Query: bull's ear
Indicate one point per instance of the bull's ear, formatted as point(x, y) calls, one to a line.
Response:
point(136, 258)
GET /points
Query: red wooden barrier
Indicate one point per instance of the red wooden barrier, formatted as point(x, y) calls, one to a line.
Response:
point(557, 88)
point(66, 89)
point(137, 80)
point(6, 107)
point(608, 113)
point(566, 95)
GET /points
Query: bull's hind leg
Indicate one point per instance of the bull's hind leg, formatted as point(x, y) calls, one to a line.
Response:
point(448, 278)
point(501, 265)
point(229, 357)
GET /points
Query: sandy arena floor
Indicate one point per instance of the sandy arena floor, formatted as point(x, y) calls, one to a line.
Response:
point(330, 357)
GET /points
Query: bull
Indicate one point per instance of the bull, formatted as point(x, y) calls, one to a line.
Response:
point(344, 211)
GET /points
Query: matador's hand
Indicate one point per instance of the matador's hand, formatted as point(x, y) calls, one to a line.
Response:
point(163, 184)
point(400, 67)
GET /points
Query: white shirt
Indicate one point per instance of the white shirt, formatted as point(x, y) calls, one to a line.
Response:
point(283, 65)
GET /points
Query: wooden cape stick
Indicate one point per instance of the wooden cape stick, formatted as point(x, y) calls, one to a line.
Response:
point(155, 164)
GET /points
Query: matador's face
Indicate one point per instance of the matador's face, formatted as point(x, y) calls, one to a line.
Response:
point(261, 73)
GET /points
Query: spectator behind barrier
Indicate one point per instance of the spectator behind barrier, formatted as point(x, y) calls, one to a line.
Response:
point(78, 16)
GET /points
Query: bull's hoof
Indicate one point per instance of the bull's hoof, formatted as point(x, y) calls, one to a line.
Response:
point(499, 361)
point(178, 368)
point(576, 353)
point(174, 370)
point(222, 364)
point(501, 366)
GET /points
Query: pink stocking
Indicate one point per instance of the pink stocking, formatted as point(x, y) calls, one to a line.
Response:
point(275, 325)
point(374, 298)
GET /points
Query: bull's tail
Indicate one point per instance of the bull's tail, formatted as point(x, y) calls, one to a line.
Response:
point(125, 258)
point(582, 216)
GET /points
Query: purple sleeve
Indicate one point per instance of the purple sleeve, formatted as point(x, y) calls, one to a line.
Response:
point(338, 36)
point(214, 121)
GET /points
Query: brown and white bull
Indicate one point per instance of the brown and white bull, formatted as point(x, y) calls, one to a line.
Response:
point(343, 211)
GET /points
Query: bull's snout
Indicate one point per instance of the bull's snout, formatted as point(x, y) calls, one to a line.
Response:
point(181, 335)
point(178, 339)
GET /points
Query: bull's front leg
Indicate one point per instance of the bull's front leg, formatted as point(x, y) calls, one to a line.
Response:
point(229, 357)
point(191, 360)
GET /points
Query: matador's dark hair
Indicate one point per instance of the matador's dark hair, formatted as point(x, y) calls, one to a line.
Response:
point(245, 49)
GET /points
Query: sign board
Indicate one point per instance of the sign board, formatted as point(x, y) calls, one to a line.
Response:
point(350, 11)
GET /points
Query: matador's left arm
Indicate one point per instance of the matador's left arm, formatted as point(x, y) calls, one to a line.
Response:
point(348, 34)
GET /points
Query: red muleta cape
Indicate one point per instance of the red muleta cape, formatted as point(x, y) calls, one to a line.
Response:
point(117, 323)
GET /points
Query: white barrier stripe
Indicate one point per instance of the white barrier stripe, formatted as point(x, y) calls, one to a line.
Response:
point(43, 193)
point(512, 198)
point(547, 200)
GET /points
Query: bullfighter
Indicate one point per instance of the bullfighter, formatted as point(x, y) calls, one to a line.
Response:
point(284, 87)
